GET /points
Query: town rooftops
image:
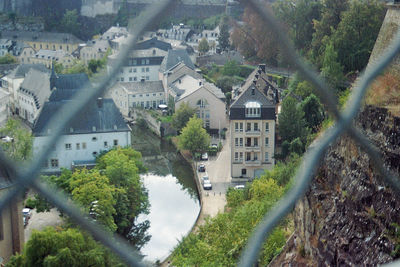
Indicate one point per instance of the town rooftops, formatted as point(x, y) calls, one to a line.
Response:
point(174, 57)
point(207, 86)
point(50, 37)
point(153, 43)
point(113, 32)
point(36, 84)
point(23, 69)
point(180, 70)
point(51, 54)
point(99, 116)
point(69, 81)
point(143, 87)
point(100, 45)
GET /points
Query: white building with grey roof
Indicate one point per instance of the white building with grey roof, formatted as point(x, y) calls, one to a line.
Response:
point(47, 57)
point(100, 127)
point(4, 102)
point(94, 49)
point(131, 95)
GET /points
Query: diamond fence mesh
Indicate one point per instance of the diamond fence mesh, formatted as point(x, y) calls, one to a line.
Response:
point(27, 176)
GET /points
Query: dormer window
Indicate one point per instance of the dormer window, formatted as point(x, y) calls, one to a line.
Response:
point(252, 109)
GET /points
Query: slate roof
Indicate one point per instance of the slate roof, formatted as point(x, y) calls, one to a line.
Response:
point(23, 69)
point(114, 31)
point(153, 43)
point(51, 37)
point(37, 84)
point(63, 94)
point(144, 87)
point(69, 81)
point(174, 57)
point(51, 54)
point(207, 86)
point(105, 118)
point(100, 45)
point(181, 70)
point(7, 68)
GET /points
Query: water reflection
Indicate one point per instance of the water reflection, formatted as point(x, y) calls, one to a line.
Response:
point(172, 214)
point(173, 196)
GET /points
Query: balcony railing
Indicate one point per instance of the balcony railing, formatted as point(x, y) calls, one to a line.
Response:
point(252, 148)
point(252, 163)
point(253, 132)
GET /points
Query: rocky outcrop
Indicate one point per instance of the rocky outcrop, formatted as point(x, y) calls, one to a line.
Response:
point(349, 217)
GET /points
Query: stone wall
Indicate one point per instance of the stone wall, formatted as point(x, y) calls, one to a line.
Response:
point(347, 216)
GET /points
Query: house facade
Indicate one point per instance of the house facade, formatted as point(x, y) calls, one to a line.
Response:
point(11, 222)
point(144, 62)
point(47, 57)
point(100, 128)
point(4, 110)
point(94, 49)
point(45, 40)
point(146, 95)
point(252, 127)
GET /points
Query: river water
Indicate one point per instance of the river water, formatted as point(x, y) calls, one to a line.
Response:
point(173, 196)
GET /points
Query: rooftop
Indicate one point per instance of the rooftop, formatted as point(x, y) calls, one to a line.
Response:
point(51, 37)
point(174, 57)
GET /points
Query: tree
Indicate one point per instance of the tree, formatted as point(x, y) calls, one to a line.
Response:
point(194, 137)
point(203, 46)
point(62, 247)
point(231, 68)
point(8, 59)
point(313, 112)
point(291, 121)
point(20, 146)
point(298, 15)
point(356, 33)
point(331, 70)
point(223, 38)
point(225, 83)
point(69, 23)
point(182, 116)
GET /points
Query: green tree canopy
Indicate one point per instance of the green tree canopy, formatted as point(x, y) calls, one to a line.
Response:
point(203, 46)
point(69, 23)
point(8, 59)
point(223, 38)
point(331, 68)
point(194, 137)
point(182, 116)
point(313, 112)
point(62, 247)
point(20, 147)
point(291, 121)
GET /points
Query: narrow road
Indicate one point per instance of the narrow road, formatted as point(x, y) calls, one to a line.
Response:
point(219, 171)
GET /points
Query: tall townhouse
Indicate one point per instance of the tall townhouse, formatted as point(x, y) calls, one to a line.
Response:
point(252, 127)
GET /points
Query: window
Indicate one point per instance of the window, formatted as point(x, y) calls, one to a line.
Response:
point(45, 164)
point(244, 171)
point(54, 163)
point(122, 79)
point(94, 154)
point(248, 141)
point(256, 142)
point(236, 141)
point(147, 69)
point(241, 141)
point(94, 139)
point(255, 156)
point(115, 142)
point(147, 78)
point(143, 69)
point(78, 146)
point(105, 144)
point(236, 127)
point(130, 79)
point(202, 103)
point(143, 62)
point(134, 69)
point(241, 126)
point(256, 126)
point(68, 146)
point(236, 156)
point(253, 109)
point(266, 156)
point(241, 156)
point(266, 141)
point(267, 127)
point(248, 128)
point(248, 156)
point(147, 61)
point(134, 63)
point(83, 145)
point(130, 70)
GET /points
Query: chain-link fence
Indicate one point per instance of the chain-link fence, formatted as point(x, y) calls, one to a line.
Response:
point(26, 176)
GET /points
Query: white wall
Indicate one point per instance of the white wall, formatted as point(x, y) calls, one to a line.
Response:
point(66, 156)
point(147, 72)
point(4, 100)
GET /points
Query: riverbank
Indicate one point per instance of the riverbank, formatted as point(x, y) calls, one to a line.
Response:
point(212, 201)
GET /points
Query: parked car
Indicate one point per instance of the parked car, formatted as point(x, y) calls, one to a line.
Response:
point(27, 212)
point(205, 179)
point(204, 156)
point(240, 186)
point(202, 167)
point(214, 146)
point(207, 186)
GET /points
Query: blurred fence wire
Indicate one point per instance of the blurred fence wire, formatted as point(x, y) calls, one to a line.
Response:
point(26, 176)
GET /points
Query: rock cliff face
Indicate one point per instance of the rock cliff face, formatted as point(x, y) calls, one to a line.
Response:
point(349, 216)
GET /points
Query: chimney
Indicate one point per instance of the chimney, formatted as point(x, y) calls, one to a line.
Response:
point(262, 67)
point(100, 102)
point(200, 83)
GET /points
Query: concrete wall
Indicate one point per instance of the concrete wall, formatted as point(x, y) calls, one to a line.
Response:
point(89, 146)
